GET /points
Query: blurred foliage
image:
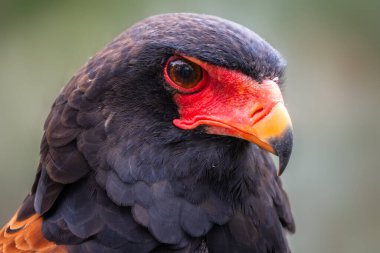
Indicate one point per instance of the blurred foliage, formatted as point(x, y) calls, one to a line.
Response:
point(332, 93)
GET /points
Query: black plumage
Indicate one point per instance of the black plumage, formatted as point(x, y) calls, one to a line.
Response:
point(117, 176)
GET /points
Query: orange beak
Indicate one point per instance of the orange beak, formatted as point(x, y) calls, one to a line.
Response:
point(272, 133)
point(234, 104)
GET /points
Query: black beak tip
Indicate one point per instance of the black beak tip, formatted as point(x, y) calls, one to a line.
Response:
point(283, 147)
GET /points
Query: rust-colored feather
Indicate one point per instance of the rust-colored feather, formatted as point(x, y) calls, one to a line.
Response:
point(26, 236)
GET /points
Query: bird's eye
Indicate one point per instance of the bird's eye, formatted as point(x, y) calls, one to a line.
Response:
point(184, 73)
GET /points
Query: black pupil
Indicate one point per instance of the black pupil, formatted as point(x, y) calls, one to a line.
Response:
point(183, 73)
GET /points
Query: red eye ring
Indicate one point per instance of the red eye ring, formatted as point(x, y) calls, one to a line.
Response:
point(184, 75)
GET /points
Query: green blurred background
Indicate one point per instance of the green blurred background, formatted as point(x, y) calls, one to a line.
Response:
point(332, 93)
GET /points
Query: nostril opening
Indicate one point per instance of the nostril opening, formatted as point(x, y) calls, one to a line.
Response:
point(259, 114)
point(258, 110)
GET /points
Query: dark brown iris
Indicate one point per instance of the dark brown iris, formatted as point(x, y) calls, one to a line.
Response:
point(184, 73)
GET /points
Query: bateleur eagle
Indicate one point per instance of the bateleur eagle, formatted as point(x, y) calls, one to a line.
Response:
point(161, 143)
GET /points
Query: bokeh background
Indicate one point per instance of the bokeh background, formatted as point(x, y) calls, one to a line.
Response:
point(332, 92)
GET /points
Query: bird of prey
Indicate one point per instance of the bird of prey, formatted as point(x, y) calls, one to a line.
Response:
point(161, 142)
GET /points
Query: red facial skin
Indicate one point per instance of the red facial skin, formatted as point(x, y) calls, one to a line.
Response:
point(227, 101)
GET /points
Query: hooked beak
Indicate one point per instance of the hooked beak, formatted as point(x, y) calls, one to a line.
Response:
point(276, 130)
point(272, 132)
